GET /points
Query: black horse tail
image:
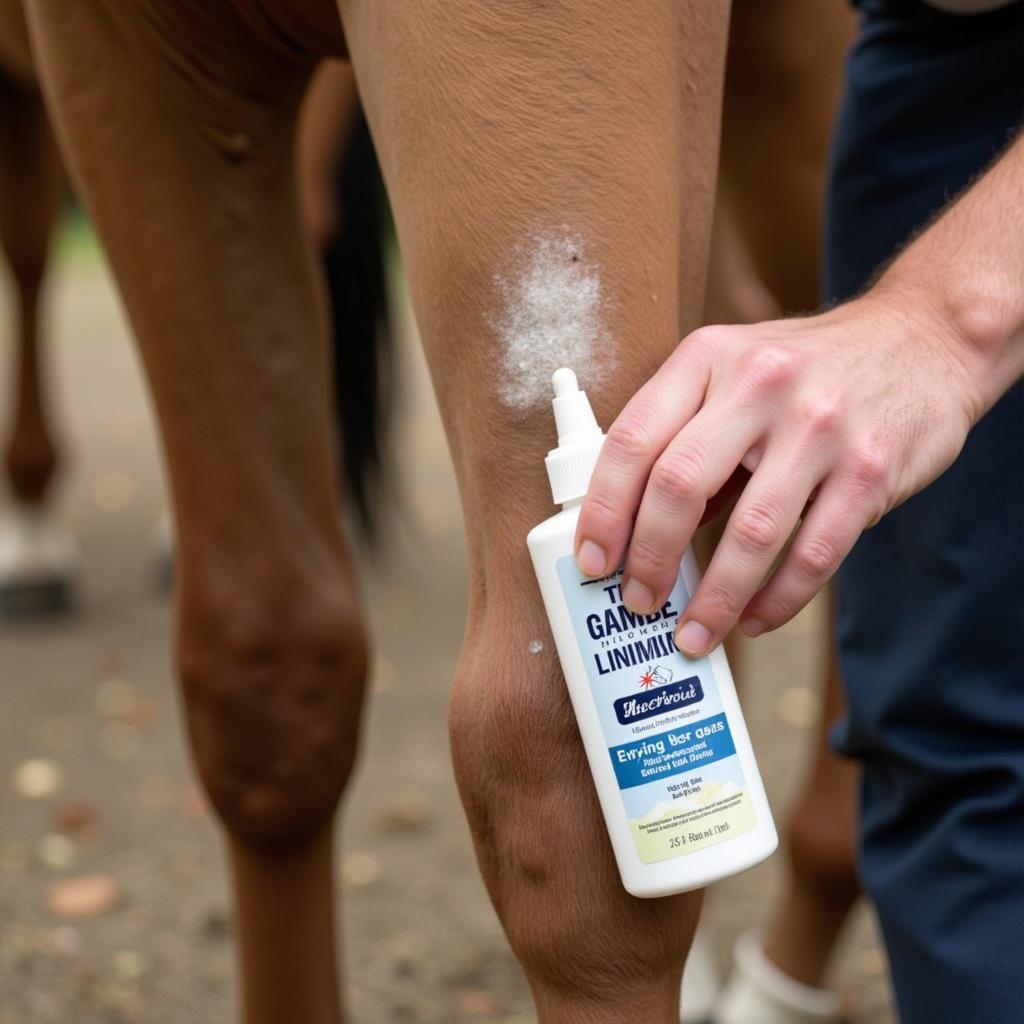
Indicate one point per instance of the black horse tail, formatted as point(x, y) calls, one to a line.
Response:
point(355, 265)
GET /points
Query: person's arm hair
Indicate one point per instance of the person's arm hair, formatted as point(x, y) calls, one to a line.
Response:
point(969, 266)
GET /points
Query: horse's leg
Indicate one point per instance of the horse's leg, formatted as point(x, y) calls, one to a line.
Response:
point(818, 892)
point(821, 840)
point(179, 126)
point(35, 557)
point(31, 185)
point(552, 195)
point(784, 73)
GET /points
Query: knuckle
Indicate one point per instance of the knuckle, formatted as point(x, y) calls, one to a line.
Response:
point(776, 608)
point(649, 557)
point(758, 529)
point(769, 368)
point(868, 469)
point(678, 477)
point(874, 513)
point(710, 337)
point(720, 600)
point(600, 513)
point(822, 415)
point(628, 442)
point(816, 559)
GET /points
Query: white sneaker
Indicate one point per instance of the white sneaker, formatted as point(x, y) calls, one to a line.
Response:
point(758, 992)
point(701, 981)
point(38, 562)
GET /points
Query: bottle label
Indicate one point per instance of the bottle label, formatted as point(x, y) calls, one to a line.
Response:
point(668, 738)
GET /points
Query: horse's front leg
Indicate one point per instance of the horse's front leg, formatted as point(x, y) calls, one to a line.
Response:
point(179, 125)
point(551, 169)
point(36, 555)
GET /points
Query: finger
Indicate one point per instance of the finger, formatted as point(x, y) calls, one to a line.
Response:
point(765, 516)
point(639, 434)
point(696, 465)
point(831, 527)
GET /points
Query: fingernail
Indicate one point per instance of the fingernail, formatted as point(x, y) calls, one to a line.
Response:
point(591, 559)
point(693, 639)
point(751, 627)
point(638, 597)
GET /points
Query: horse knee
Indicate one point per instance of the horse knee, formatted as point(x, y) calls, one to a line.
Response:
point(273, 678)
point(515, 745)
point(537, 826)
point(821, 846)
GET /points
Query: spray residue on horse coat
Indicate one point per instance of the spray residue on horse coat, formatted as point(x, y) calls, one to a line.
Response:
point(552, 314)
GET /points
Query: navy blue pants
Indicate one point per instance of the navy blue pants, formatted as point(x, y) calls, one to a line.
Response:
point(930, 625)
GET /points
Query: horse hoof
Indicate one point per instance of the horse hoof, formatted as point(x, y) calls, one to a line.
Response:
point(38, 564)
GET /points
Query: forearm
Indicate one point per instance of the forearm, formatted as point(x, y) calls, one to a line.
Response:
point(968, 268)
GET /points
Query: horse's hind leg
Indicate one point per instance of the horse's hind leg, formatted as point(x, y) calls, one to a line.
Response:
point(821, 838)
point(31, 184)
point(552, 196)
point(179, 128)
point(35, 557)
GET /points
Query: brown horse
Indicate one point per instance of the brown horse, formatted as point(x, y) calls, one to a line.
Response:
point(578, 137)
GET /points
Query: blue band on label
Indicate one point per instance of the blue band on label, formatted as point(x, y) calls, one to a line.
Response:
point(637, 706)
point(672, 752)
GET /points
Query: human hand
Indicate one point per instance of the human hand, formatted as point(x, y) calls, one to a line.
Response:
point(839, 417)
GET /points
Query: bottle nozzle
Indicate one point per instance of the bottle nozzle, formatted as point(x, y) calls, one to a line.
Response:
point(579, 439)
point(573, 416)
point(564, 382)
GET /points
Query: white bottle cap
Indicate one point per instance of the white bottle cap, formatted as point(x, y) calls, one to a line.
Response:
point(571, 464)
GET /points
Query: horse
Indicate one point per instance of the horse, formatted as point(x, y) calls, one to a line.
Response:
point(337, 171)
point(551, 167)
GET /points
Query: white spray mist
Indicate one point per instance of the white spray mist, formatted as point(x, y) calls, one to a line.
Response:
point(553, 313)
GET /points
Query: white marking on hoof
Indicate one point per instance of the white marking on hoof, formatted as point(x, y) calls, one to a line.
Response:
point(38, 563)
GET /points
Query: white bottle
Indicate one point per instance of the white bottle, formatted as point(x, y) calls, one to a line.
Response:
point(668, 748)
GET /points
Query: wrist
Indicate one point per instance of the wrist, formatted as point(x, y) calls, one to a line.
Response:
point(970, 324)
point(986, 327)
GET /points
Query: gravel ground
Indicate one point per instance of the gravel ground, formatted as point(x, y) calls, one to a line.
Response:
point(99, 812)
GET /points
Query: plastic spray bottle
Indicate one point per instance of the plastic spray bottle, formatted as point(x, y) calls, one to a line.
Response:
point(668, 748)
